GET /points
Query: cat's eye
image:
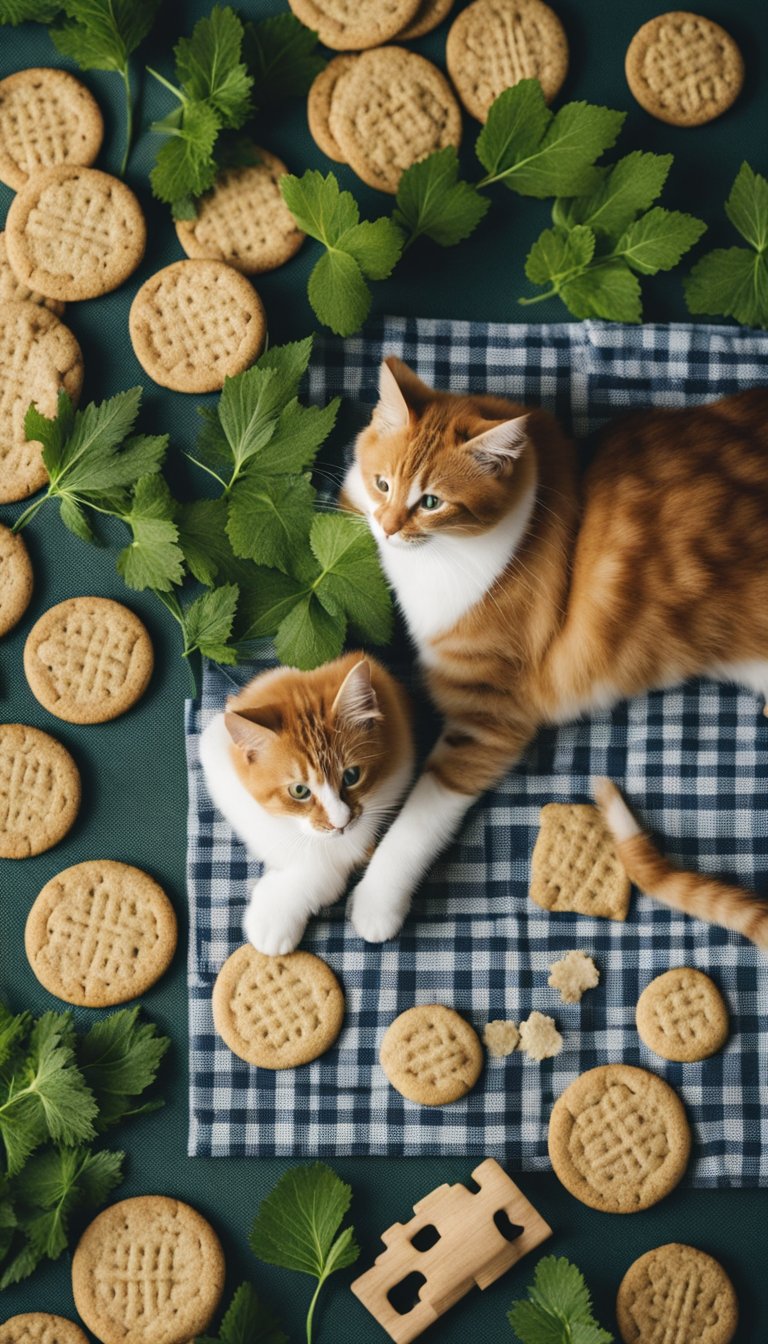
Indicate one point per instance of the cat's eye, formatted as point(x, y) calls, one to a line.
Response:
point(382, 484)
point(301, 792)
point(430, 503)
point(351, 775)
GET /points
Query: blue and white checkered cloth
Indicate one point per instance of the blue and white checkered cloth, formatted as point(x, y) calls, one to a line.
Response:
point(693, 761)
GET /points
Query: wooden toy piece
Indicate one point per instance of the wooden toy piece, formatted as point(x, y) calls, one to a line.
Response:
point(455, 1240)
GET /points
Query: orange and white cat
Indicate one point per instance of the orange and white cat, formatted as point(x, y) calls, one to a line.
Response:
point(307, 767)
point(534, 594)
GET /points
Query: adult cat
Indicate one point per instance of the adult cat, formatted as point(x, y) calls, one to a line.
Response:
point(306, 767)
point(534, 595)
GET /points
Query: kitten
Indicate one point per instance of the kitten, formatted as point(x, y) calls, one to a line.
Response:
point(307, 767)
point(534, 595)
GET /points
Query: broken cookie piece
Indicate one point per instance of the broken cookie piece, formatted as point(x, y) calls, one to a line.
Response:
point(501, 1038)
point(539, 1037)
point(573, 975)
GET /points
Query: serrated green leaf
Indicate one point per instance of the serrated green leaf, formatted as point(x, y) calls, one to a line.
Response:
point(120, 1057)
point(516, 124)
point(339, 296)
point(208, 623)
point(185, 166)
point(282, 58)
point(289, 362)
point(657, 240)
point(25, 11)
point(631, 185)
point(74, 518)
point(747, 207)
point(209, 67)
point(557, 252)
point(732, 282)
point(248, 1321)
point(298, 1221)
point(608, 290)
point(533, 1325)
point(203, 539)
point(376, 246)
point(559, 1310)
point(101, 34)
point(247, 411)
point(299, 433)
point(153, 559)
point(319, 206)
point(351, 583)
point(560, 1287)
point(269, 518)
point(309, 636)
point(432, 201)
point(266, 604)
point(45, 1095)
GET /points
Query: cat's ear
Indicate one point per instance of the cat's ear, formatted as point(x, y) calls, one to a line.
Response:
point(401, 394)
point(253, 729)
point(356, 700)
point(501, 445)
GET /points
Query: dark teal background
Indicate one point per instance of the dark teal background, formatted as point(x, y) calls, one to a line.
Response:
point(133, 770)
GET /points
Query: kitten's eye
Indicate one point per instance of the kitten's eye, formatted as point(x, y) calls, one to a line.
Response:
point(351, 775)
point(301, 792)
point(430, 503)
point(382, 485)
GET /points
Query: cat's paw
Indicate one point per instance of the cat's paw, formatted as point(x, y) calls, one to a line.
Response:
point(273, 925)
point(374, 915)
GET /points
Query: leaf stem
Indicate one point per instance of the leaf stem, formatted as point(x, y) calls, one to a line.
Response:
point(29, 513)
point(225, 487)
point(312, 1305)
point(539, 298)
point(166, 83)
point(125, 75)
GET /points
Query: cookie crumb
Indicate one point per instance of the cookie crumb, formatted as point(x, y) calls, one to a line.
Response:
point(574, 974)
point(539, 1037)
point(500, 1038)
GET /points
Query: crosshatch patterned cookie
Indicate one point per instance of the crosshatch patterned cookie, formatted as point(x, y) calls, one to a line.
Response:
point(352, 25)
point(244, 220)
point(319, 100)
point(428, 16)
point(38, 1327)
point(47, 117)
point(39, 791)
point(16, 579)
point(75, 233)
point(88, 659)
point(392, 109)
point(195, 323)
point(149, 1270)
point(676, 1292)
point(277, 1012)
point(495, 43)
point(575, 866)
point(11, 288)
point(684, 69)
point(681, 1015)
point(431, 1055)
point(619, 1139)
point(100, 933)
point(39, 357)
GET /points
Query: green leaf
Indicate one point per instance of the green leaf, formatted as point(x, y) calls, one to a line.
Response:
point(319, 206)
point(516, 124)
point(46, 1095)
point(266, 604)
point(732, 282)
point(297, 1222)
point(153, 559)
point(23, 11)
point(101, 34)
point(203, 539)
point(119, 1058)
point(14, 1027)
point(299, 433)
point(631, 185)
point(376, 246)
point(208, 623)
point(339, 296)
point(74, 518)
point(288, 361)
point(533, 1325)
point(247, 411)
point(87, 440)
point(608, 290)
point(557, 252)
point(248, 1321)
point(209, 67)
point(281, 57)
point(309, 635)
point(351, 583)
point(559, 1310)
point(270, 517)
point(432, 201)
point(560, 1287)
point(747, 207)
point(657, 240)
point(185, 166)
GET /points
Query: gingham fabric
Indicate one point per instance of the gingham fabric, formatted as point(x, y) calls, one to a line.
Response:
point(692, 761)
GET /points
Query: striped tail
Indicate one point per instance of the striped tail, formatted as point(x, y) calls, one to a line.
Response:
point(695, 894)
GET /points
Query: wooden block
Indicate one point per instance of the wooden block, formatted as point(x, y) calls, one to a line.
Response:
point(463, 1249)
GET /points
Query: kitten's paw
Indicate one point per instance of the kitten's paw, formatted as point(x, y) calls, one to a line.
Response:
point(374, 915)
point(272, 925)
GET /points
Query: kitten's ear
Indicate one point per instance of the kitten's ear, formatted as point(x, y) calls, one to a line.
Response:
point(498, 447)
point(401, 393)
point(356, 700)
point(253, 729)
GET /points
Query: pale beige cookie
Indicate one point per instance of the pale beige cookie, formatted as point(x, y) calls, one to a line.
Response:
point(39, 791)
point(575, 974)
point(681, 1015)
point(74, 233)
point(277, 1012)
point(37, 1327)
point(244, 220)
point(500, 1038)
point(429, 14)
point(493, 44)
point(319, 99)
point(88, 659)
point(148, 1270)
point(11, 288)
point(431, 1055)
point(195, 323)
point(39, 357)
point(676, 1293)
point(392, 109)
point(47, 118)
point(619, 1139)
point(100, 933)
point(539, 1037)
point(684, 69)
point(575, 866)
point(352, 25)
point(16, 579)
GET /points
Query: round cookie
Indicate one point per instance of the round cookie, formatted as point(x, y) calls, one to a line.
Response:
point(319, 101)
point(149, 1270)
point(88, 659)
point(429, 14)
point(431, 1055)
point(244, 220)
point(493, 44)
point(677, 1293)
point(684, 69)
point(39, 791)
point(100, 933)
point(39, 357)
point(392, 109)
point(38, 1327)
point(277, 1012)
point(47, 118)
point(11, 288)
point(353, 25)
point(15, 579)
point(681, 1015)
point(75, 233)
point(619, 1139)
point(195, 323)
